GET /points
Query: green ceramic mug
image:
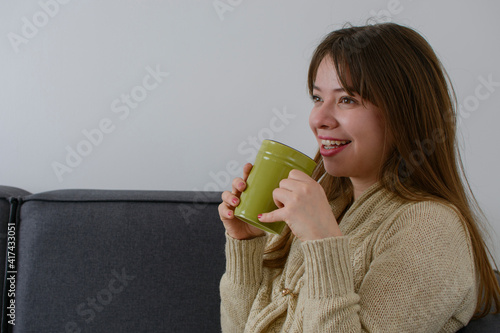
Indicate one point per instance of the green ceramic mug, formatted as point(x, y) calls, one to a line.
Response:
point(273, 163)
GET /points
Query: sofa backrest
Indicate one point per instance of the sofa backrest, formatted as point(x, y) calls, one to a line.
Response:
point(119, 261)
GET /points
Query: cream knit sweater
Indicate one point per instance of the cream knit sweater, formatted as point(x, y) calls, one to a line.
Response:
point(400, 267)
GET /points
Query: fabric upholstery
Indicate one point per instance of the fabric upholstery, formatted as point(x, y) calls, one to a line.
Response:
point(119, 261)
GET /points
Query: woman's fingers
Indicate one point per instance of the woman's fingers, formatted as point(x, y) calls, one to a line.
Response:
point(274, 216)
point(238, 186)
point(225, 212)
point(230, 199)
point(246, 170)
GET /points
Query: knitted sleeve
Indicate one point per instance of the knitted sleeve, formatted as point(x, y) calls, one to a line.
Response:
point(420, 278)
point(241, 281)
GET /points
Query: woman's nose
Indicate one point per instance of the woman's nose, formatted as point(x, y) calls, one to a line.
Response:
point(323, 117)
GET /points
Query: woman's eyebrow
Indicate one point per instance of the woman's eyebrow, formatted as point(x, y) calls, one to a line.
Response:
point(334, 90)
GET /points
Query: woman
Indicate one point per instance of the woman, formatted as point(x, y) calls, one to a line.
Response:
point(383, 237)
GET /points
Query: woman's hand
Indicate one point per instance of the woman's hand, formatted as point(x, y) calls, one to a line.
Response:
point(303, 205)
point(235, 227)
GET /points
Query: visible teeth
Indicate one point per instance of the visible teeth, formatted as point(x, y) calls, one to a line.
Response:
point(333, 142)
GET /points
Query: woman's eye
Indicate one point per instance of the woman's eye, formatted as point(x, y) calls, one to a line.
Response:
point(347, 100)
point(315, 98)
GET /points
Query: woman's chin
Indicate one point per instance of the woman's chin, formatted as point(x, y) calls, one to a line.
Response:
point(335, 172)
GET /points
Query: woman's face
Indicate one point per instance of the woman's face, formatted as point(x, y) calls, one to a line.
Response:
point(351, 136)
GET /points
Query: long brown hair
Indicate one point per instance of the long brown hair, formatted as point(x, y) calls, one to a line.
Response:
point(394, 68)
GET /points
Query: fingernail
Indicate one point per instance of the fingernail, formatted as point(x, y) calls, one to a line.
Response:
point(229, 213)
point(242, 184)
point(235, 200)
point(259, 216)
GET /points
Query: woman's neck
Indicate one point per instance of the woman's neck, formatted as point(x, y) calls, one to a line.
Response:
point(359, 186)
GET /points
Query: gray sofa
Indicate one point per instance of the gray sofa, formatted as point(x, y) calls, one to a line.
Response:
point(116, 261)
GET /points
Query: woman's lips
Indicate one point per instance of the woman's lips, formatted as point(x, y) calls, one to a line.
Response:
point(333, 149)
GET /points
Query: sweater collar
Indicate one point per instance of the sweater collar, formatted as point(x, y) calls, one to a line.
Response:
point(339, 205)
point(363, 208)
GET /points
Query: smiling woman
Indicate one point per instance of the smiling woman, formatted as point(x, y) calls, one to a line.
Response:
point(376, 240)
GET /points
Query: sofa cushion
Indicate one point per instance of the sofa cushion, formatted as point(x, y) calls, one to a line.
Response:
point(119, 261)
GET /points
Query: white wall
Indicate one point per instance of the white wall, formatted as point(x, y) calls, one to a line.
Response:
point(235, 73)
